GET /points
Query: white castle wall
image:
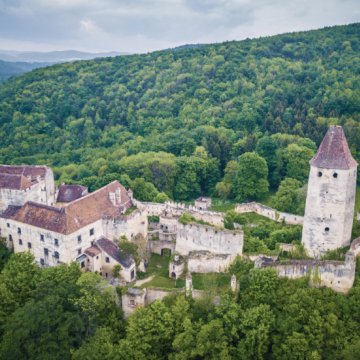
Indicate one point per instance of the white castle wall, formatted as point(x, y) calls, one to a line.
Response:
point(268, 212)
point(329, 204)
point(129, 225)
point(205, 263)
point(338, 275)
point(196, 237)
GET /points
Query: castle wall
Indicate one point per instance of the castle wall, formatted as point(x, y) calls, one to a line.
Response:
point(152, 208)
point(157, 245)
point(195, 237)
point(132, 301)
point(268, 212)
point(129, 225)
point(355, 246)
point(329, 205)
point(338, 275)
point(205, 263)
point(20, 197)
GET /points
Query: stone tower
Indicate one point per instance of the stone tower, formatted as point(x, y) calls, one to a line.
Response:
point(330, 198)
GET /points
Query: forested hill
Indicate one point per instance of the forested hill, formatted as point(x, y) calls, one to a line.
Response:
point(225, 97)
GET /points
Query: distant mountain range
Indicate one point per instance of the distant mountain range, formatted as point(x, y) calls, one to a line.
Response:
point(53, 56)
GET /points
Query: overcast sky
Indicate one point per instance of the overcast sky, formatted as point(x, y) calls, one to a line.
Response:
point(139, 26)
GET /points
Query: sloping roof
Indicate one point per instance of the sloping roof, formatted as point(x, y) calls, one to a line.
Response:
point(74, 215)
point(16, 177)
point(14, 182)
point(92, 251)
point(114, 251)
point(10, 211)
point(68, 193)
point(334, 152)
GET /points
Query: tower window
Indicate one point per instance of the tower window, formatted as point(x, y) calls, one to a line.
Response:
point(335, 175)
point(319, 174)
point(327, 229)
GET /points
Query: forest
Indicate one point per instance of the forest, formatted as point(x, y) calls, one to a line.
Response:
point(203, 113)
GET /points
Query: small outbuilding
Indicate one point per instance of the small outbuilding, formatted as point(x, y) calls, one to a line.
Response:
point(176, 267)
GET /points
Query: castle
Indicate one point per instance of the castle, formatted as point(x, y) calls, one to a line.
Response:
point(60, 225)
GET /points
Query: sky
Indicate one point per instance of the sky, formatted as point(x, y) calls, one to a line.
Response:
point(140, 26)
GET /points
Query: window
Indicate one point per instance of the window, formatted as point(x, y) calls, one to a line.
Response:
point(327, 229)
point(106, 275)
point(42, 237)
point(82, 264)
point(56, 242)
point(20, 242)
point(88, 260)
point(97, 258)
point(91, 232)
point(335, 175)
point(19, 231)
point(79, 251)
point(10, 237)
point(42, 262)
point(173, 267)
point(56, 255)
point(79, 239)
point(46, 252)
point(8, 225)
point(319, 174)
point(29, 245)
point(107, 259)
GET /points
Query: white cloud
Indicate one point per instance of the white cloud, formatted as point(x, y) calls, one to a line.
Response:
point(146, 25)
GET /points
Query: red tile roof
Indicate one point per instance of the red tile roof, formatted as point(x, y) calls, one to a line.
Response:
point(115, 252)
point(334, 152)
point(92, 251)
point(68, 193)
point(74, 215)
point(20, 177)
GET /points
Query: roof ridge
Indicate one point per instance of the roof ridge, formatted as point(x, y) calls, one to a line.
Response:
point(90, 194)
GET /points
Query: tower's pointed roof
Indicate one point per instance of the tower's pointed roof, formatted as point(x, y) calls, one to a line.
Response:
point(334, 152)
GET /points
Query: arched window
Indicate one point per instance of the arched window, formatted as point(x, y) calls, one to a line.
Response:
point(319, 174)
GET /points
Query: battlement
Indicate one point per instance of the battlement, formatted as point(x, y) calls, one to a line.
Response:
point(269, 213)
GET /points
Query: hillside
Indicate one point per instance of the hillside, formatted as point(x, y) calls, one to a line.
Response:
point(91, 118)
point(8, 69)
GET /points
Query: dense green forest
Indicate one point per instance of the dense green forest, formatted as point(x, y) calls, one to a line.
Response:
point(63, 313)
point(182, 120)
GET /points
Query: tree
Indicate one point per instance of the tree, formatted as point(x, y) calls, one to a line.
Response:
point(251, 178)
point(116, 270)
point(200, 152)
point(287, 197)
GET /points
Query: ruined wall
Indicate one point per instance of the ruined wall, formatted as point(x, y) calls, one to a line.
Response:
point(157, 245)
point(338, 275)
point(152, 208)
point(268, 212)
point(206, 262)
point(329, 210)
point(195, 237)
point(129, 225)
point(131, 301)
point(287, 247)
point(355, 246)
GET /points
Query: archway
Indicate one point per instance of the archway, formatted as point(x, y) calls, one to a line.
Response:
point(165, 252)
point(173, 275)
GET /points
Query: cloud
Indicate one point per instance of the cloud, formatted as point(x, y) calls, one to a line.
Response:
point(147, 25)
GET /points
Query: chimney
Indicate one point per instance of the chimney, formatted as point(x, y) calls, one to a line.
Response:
point(118, 195)
point(129, 193)
point(29, 177)
point(112, 198)
point(38, 178)
point(62, 183)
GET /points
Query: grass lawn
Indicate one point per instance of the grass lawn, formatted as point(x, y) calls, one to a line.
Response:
point(222, 280)
point(156, 259)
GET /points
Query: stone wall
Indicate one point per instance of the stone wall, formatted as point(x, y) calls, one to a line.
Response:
point(196, 237)
point(287, 247)
point(132, 300)
point(338, 275)
point(268, 212)
point(203, 262)
point(152, 208)
point(157, 245)
point(329, 210)
point(129, 225)
point(355, 246)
